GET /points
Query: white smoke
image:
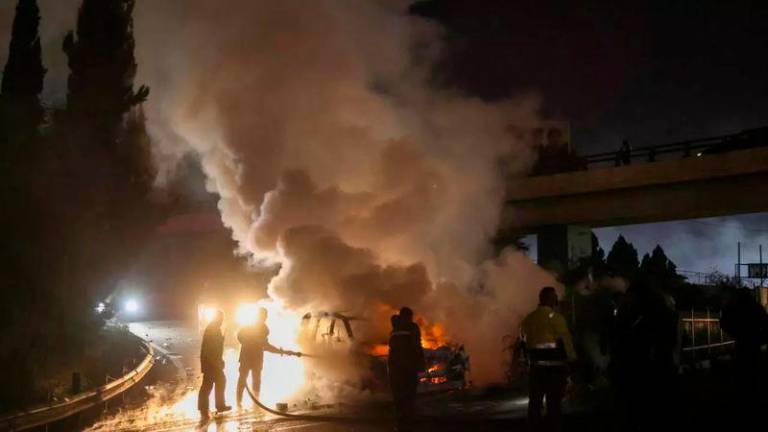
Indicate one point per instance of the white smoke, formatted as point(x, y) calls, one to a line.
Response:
point(333, 157)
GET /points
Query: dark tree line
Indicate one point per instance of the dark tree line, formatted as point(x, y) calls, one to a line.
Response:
point(21, 112)
point(655, 270)
point(76, 186)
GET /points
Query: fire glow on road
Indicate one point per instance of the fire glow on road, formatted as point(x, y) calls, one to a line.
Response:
point(282, 378)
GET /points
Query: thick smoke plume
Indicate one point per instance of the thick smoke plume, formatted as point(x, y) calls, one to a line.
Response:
point(334, 158)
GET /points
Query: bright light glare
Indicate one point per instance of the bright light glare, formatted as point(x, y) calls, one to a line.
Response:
point(101, 307)
point(132, 306)
point(206, 313)
point(283, 377)
point(247, 313)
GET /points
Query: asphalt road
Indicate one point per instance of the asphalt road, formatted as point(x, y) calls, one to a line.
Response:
point(701, 401)
point(173, 407)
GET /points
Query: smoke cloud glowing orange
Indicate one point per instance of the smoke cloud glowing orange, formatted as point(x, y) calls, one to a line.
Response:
point(334, 158)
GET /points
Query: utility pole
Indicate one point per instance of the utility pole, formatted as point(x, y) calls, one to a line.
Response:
point(759, 290)
point(761, 266)
point(738, 263)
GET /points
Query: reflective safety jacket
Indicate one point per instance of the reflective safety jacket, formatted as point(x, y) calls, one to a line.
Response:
point(547, 338)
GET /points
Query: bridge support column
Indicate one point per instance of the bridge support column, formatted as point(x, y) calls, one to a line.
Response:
point(561, 247)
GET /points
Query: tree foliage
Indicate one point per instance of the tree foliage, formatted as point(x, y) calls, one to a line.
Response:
point(100, 88)
point(658, 265)
point(83, 212)
point(661, 273)
point(21, 112)
point(622, 259)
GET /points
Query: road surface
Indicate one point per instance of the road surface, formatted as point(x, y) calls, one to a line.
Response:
point(172, 405)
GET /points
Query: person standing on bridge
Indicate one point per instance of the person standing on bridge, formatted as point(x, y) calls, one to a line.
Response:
point(253, 342)
point(212, 366)
point(550, 352)
point(624, 155)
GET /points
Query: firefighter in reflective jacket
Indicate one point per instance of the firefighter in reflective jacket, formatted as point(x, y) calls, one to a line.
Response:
point(550, 351)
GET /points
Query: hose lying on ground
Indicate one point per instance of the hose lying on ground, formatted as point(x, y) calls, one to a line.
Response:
point(329, 418)
point(348, 419)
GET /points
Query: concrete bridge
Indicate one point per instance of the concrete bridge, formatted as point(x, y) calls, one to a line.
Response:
point(563, 208)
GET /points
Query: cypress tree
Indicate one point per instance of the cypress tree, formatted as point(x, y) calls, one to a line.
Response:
point(622, 259)
point(100, 53)
point(660, 270)
point(20, 110)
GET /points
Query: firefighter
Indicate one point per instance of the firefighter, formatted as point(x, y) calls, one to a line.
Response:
point(212, 366)
point(405, 361)
point(253, 342)
point(550, 352)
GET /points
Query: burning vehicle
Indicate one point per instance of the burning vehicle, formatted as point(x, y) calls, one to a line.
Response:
point(341, 352)
point(447, 364)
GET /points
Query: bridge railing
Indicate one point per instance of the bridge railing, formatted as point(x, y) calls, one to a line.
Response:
point(696, 277)
point(702, 336)
point(696, 147)
point(46, 414)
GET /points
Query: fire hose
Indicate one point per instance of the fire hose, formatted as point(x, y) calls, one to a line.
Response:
point(328, 418)
point(348, 419)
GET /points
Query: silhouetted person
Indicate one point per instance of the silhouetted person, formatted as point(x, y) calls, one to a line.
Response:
point(624, 155)
point(212, 366)
point(406, 360)
point(550, 351)
point(643, 369)
point(253, 342)
point(745, 320)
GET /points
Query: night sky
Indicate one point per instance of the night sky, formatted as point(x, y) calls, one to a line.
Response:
point(651, 72)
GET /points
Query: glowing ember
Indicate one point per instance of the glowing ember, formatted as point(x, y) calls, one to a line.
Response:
point(435, 380)
point(436, 368)
point(379, 350)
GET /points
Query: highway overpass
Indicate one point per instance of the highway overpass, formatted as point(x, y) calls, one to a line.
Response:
point(562, 208)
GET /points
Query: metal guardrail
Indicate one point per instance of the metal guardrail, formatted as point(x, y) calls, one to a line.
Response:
point(719, 144)
point(696, 277)
point(50, 413)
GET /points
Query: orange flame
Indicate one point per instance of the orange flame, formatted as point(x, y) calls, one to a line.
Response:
point(432, 335)
point(434, 380)
point(379, 350)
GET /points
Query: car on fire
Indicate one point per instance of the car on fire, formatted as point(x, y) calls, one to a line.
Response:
point(447, 364)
